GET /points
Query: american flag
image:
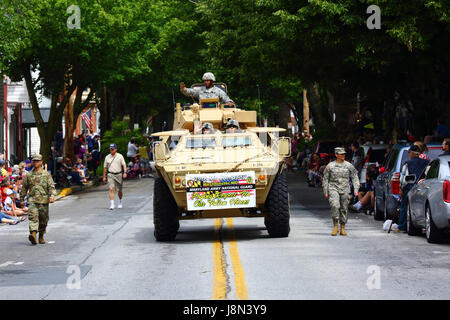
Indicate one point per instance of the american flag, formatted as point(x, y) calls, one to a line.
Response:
point(87, 118)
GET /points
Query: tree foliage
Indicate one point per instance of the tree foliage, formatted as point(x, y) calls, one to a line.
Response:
point(267, 51)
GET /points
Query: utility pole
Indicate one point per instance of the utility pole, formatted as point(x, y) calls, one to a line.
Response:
point(305, 114)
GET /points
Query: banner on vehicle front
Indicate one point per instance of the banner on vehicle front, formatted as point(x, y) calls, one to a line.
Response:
point(228, 190)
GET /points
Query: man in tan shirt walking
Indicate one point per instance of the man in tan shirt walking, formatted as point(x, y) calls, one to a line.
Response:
point(116, 169)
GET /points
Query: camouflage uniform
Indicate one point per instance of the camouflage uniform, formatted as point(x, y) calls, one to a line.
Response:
point(40, 187)
point(204, 93)
point(336, 184)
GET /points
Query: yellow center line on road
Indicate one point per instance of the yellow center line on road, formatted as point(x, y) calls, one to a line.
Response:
point(239, 279)
point(220, 279)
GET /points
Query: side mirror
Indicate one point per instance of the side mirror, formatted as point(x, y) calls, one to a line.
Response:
point(161, 151)
point(284, 147)
point(410, 178)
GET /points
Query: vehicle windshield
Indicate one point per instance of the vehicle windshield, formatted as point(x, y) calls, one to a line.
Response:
point(236, 142)
point(208, 105)
point(195, 143)
point(377, 156)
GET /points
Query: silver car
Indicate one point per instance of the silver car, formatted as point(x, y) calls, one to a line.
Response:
point(429, 202)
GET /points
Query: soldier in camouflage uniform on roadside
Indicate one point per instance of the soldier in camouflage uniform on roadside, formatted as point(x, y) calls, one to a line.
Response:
point(336, 187)
point(39, 186)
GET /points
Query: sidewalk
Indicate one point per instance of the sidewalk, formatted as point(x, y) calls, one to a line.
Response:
point(75, 188)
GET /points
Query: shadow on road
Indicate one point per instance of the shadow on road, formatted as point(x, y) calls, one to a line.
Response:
point(206, 234)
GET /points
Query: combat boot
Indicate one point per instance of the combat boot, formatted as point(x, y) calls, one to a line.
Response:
point(335, 229)
point(32, 237)
point(343, 233)
point(41, 238)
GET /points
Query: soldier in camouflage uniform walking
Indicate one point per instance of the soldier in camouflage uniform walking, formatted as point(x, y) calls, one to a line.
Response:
point(39, 186)
point(336, 187)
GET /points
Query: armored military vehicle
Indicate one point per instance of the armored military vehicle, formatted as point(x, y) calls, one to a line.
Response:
point(219, 173)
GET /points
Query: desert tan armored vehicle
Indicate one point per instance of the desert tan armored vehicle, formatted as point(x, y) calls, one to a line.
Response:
point(219, 173)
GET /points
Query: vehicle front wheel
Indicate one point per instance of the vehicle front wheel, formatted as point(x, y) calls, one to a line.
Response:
point(434, 235)
point(410, 228)
point(164, 212)
point(277, 208)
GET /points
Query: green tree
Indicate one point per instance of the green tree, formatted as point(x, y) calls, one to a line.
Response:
point(36, 37)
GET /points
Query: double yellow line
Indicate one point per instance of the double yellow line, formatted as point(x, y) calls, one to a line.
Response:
point(220, 277)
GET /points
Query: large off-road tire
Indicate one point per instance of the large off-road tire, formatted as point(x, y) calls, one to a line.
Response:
point(164, 212)
point(276, 208)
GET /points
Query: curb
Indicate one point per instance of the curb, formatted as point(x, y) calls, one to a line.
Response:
point(76, 188)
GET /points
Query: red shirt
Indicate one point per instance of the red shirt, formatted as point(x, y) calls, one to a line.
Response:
point(4, 195)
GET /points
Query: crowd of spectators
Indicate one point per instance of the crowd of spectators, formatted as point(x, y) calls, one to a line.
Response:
point(313, 164)
point(139, 158)
point(11, 180)
point(87, 154)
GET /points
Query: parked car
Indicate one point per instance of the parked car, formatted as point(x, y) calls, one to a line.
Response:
point(374, 155)
point(429, 202)
point(387, 185)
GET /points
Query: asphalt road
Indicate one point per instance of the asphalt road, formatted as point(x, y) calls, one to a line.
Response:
point(95, 253)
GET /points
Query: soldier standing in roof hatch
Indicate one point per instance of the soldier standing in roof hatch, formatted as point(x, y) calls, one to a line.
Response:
point(39, 186)
point(336, 188)
point(208, 92)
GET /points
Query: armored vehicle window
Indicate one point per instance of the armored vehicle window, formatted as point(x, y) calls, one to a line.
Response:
point(207, 105)
point(236, 142)
point(194, 143)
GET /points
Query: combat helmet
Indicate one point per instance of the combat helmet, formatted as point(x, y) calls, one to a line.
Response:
point(232, 123)
point(208, 126)
point(209, 76)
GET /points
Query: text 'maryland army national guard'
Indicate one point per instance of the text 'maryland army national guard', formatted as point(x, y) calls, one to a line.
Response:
point(39, 186)
point(336, 188)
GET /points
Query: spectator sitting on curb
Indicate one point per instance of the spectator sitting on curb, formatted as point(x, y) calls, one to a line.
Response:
point(81, 170)
point(5, 218)
point(366, 198)
point(313, 170)
point(10, 206)
point(4, 187)
point(17, 186)
point(137, 166)
point(72, 172)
